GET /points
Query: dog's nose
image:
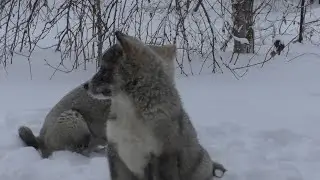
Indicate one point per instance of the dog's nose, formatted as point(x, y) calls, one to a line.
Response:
point(86, 86)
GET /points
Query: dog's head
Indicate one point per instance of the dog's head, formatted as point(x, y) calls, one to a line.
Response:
point(107, 79)
point(101, 84)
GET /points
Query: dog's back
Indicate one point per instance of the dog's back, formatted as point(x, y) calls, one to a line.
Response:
point(95, 112)
point(87, 116)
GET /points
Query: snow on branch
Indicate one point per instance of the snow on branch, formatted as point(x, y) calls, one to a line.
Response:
point(79, 31)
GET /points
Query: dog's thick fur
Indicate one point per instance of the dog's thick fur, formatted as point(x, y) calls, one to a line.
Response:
point(149, 133)
point(77, 121)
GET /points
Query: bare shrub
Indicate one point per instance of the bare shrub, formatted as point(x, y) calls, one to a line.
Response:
point(80, 30)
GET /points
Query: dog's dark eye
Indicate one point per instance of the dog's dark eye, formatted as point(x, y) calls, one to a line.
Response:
point(107, 92)
point(134, 82)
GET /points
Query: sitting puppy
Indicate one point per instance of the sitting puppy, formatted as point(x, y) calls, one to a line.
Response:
point(149, 132)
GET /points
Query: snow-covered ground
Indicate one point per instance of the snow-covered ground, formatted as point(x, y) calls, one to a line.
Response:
point(264, 126)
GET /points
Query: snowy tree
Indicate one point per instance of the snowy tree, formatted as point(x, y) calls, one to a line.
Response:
point(205, 31)
point(243, 26)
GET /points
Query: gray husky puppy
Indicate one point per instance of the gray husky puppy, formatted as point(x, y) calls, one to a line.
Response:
point(150, 136)
point(77, 121)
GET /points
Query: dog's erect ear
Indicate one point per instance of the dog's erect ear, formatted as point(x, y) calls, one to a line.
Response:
point(130, 45)
point(166, 52)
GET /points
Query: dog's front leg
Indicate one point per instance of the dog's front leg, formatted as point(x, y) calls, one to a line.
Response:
point(118, 170)
point(152, 169)
point(169, 166)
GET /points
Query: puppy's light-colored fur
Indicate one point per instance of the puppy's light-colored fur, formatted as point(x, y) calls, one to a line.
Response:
point(134, 139)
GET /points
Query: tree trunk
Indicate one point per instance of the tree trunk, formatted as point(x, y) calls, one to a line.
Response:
point(243, 25)
point(302, 10)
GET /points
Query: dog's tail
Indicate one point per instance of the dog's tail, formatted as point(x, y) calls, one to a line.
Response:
point(28, 137)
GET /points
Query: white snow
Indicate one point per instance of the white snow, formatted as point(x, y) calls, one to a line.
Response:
point(241, 40)
point(264, 126)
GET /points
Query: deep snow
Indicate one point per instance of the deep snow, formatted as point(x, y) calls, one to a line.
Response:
point(264, 126)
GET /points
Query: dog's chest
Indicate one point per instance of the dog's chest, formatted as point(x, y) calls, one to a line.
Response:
point(134, 140)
